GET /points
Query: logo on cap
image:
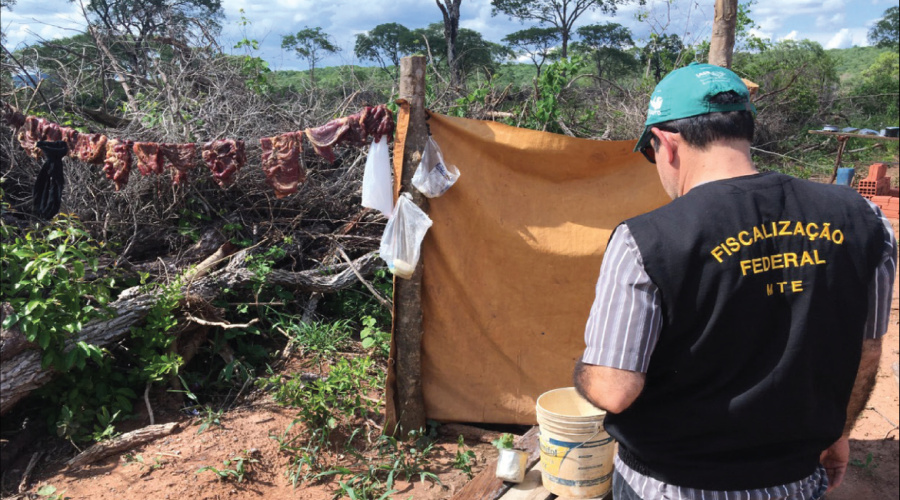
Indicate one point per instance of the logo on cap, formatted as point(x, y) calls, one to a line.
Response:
point(655, 105)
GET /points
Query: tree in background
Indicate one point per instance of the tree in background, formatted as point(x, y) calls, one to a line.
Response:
point(450, 12)
point(385, 44)
point(560, 14)
point(537, 43)
point(607, 44)
point(311, 44)
point(799, 84)
point(886, 32)
point(878, 89)
point(134, 34)
point(473, 51)
point(662, 54)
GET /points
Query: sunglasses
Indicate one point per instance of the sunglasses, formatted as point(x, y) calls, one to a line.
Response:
point(648, 151)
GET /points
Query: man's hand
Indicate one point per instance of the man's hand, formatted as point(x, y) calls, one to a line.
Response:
point(610, 389)
point(837, 456)
point(835, 460)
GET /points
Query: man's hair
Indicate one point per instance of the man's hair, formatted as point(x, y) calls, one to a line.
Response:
point(701, 130)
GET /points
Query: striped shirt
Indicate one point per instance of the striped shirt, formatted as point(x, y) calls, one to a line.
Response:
point(625, 323)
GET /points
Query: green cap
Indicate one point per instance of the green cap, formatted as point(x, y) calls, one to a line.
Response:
point(686, 92)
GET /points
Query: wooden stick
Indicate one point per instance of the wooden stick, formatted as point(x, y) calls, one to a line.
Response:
point(222, 324)
point(23, 485)
point(147, 402)
point(381, 300)
point(121, 443)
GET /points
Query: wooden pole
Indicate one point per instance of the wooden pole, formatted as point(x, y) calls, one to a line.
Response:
point(408, 293)
point(721, 45)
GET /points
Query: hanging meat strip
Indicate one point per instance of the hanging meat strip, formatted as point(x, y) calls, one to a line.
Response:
point(323, 138)
point(149, 159)
point(224, 158)
point(379, 121)
point(13, 117)
point(70, 135)
point(51, 132)
point(90, 148)
point(281, 162)
point(353, 129)
point(181, 159)
point(117, 164)
point(30, 134)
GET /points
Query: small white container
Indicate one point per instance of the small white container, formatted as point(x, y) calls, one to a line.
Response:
point(511, 465)
point(403, 269)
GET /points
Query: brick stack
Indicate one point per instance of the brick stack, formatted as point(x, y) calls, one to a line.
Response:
point(876, 184)
point(890, 205)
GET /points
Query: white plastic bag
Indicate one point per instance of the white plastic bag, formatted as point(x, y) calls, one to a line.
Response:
point(403, 237)
point(378, 188)
point(433, 177)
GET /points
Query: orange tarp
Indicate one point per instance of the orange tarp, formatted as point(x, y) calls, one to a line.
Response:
point(511, 262)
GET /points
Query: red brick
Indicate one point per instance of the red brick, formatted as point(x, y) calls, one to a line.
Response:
point(876, 171)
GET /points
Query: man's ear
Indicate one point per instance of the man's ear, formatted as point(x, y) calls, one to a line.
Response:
point(671, 142)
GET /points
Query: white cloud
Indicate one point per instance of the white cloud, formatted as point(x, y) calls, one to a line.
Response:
point(841, 40)
point(29, 22)
point(787, 8)
point(826, 21)
point(765, 35)
point(770, 24)
point(790, 36)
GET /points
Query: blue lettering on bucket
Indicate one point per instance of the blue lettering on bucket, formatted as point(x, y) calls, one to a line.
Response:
point(592, 444)
point(575, 482)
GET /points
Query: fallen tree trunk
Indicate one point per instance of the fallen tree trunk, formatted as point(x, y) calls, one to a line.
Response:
point(22, 373)
point(124, 442)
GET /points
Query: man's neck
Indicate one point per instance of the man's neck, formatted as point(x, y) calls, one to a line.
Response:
point(721, 160)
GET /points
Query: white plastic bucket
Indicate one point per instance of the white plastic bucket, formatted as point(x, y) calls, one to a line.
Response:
point(576, 451)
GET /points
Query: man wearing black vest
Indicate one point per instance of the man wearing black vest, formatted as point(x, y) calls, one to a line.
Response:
point(736, 331)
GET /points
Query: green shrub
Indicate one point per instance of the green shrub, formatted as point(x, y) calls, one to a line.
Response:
point(43, 279)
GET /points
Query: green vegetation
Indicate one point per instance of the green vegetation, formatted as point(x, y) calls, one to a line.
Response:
point(367, 478)
point(464, 459)
point(210, 417)
point(43, 278)
point(240, 467)
point(49, 492)
point(504, 442)
point(868, 465)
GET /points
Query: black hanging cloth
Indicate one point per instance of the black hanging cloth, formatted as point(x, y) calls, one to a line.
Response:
point(48, 187)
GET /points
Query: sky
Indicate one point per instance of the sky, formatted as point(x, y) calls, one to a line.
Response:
point(832, 23)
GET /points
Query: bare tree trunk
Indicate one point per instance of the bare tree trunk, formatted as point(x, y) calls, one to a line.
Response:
point(408, 293)
point(450, 11)
point(721, 45)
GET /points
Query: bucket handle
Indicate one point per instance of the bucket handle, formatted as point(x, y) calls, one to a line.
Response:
point(578, 446)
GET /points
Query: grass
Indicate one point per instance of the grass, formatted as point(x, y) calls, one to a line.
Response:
point(320, 337)
point(241, 467)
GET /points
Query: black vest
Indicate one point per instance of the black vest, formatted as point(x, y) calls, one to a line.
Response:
point(764, 282)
